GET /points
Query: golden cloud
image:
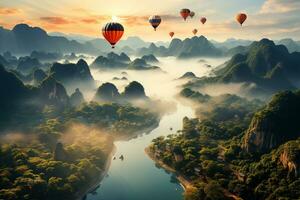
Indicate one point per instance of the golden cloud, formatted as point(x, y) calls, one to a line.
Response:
point(9, 11)
point(55, 20)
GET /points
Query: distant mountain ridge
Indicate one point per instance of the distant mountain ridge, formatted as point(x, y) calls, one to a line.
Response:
point(187, 48)
point(269, 66)
point(23, 39)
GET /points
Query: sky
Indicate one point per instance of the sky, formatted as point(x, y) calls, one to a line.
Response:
point(275, 19)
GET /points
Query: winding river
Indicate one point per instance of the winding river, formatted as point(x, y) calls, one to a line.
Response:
point(137, 177)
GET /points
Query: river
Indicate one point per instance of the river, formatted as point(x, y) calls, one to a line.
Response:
point(137, 177)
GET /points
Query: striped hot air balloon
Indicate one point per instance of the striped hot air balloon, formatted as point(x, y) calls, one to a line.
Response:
point(185, 13)
point(113, 32)
point(155, 21)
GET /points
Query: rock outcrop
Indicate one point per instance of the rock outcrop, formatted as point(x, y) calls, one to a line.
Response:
point(70, 74)
point(290, 157)
point(134, 90)
point(277, 123)
point(53, 93)
point(38, 76)
point(76, 98)
point(107, 92)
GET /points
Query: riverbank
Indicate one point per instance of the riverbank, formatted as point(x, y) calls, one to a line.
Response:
point(95, 184)
point(82, 194)
point(184, 182)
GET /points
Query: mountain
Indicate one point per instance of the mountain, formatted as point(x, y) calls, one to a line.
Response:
point(188, 75)
point(290, 44)
point(27, 64)
point(76, 98)
point(72, 74)
point(107, 92)
point(13, 91)
point(187, 48)
point(38, 76)
point(122, 61)
point(23, 39)
point(275, 124)
point(112, 60)
point(19, 100)
point(150, 58)
point(265, 69)
point(46, 56)
point(53, 93)
point(134, 90)
point(232, 43)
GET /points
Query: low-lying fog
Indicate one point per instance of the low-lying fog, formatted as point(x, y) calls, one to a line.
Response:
point(157, 84)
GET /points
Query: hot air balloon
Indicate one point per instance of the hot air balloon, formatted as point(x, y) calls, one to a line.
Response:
point(192, 14)
point(155, 20)
point(171, 34)
point(241, 18)
point(112, 32)
point(195, 31)
point(203, 20)
point(185, 13)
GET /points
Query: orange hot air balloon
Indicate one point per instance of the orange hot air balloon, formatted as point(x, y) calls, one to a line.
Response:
point(203, 20)
point(192, 14)
point(195, 31)
point(171, 34)
point(241, 18)
point(113, 32)
point(185, 13)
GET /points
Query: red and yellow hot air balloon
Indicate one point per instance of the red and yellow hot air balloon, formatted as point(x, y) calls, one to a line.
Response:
point(113, 32)
point(195, 31)
point(203, 20)
point(192, 14)
point(171, 34)
point(241, 18)
point(185, 13)
point(155, 21)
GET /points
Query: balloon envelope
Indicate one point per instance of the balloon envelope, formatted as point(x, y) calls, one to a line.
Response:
point(192, 14)
point(171, 34)
point(203, 20)
point(185, 13)
point(241, 18)
point(155, 21)
point(113, 32)
point(195, 31)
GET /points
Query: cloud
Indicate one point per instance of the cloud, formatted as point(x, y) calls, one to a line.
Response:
point(9, 11)
point(55, 20)
point(280, 6)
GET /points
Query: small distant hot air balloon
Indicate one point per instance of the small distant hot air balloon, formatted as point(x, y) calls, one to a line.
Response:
point(241, 18)
point(185, 13)
point(112, 32)
point(203, 20)
point(195, 31)
point(192, 14)
point(155, 20)
point(171, 34)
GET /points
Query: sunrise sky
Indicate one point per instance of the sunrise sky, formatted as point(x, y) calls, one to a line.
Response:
point(267, 18)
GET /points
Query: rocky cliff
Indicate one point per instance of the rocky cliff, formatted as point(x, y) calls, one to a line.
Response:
point(275, 124)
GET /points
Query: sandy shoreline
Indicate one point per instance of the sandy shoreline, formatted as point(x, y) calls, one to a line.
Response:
point(184, 182)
